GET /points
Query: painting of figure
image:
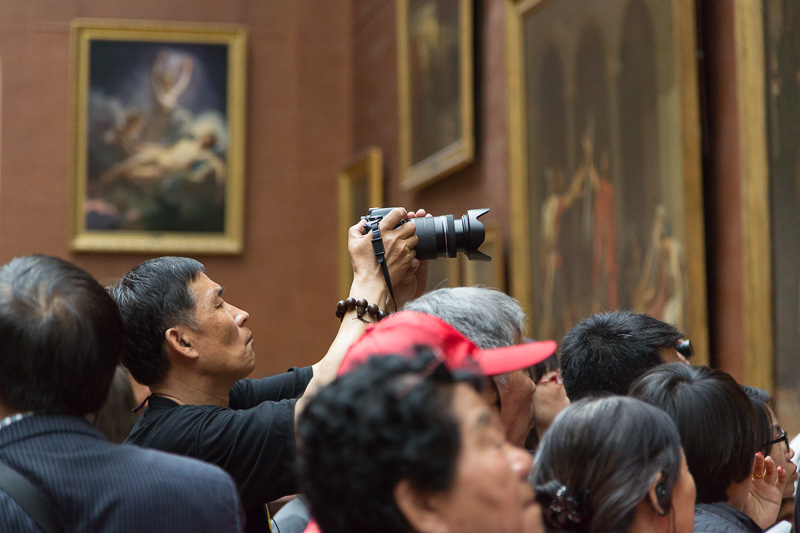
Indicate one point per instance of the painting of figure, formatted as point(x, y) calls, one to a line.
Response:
point(782, 64)
point(155, 121)
point(435, 85)
point(602, 181)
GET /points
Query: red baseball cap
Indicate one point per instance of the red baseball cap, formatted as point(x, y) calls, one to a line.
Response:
point(401, 332)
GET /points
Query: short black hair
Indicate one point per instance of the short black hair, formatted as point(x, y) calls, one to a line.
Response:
point(715, 419)
point(608, 351)
point(153, 297)
point(386, 421)
point(61, 337)
point(607, 452)
point(762, 403)
point(541, 368)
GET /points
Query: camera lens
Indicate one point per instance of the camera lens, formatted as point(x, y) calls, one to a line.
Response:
point(443, 236)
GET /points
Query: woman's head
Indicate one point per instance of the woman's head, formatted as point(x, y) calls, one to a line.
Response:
point(715, 419)
point(605, 463)
point(772, 438)
point(399, 445)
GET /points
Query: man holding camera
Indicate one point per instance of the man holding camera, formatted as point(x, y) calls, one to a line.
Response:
point(193, 349)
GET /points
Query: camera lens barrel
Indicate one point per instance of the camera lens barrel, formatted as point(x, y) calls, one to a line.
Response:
point(443, 236)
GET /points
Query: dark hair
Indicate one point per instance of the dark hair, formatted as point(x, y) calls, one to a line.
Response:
point(388, 420)
point(762, 403)
point(715, 419)
point(61, 337)
point(543, 367)
point(608, 351)
point(606, 452)
point(153, 297)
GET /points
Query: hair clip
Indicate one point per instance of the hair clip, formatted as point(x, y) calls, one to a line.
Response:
point(562, 509)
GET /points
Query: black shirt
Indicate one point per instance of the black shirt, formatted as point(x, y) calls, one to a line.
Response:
point(252, 439)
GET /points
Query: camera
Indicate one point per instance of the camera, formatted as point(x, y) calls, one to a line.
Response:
point(441, 236)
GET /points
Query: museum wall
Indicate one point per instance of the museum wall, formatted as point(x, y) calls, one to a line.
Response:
point(298, 131)
point(322, 85)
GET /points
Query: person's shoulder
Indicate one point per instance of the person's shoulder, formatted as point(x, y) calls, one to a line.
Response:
point(717, 518)
point(168, 469)
point(192, 488)
point(179, 425)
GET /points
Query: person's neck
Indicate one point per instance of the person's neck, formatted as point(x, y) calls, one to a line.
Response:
point(193, 390)
point(737, 494)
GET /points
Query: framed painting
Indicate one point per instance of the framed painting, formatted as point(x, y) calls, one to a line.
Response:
point(158, 137)
point(434, 56)
point(487, 273)
point(605, 167)
point(360, 186)
point(777, 71)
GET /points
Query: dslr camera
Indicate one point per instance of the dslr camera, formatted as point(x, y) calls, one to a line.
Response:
point(441, 236)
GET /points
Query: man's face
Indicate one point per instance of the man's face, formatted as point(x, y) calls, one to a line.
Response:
point(490, 492)
point(224, 343)
point(516, 406)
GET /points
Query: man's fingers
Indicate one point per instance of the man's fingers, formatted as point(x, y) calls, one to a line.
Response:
point(393, 218)
point(357, 229)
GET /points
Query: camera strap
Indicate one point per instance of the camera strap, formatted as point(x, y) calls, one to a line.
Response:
point(380, 255)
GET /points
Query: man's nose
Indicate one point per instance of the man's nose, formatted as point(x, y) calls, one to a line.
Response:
point(241, 316)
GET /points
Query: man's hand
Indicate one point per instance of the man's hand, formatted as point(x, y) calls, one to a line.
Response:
point(766, 491)
point(408, 275)
point(413, 284)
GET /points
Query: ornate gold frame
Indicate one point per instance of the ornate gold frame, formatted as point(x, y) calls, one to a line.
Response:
point(686, 72)
point(363, 171)
point(234, 37)
point(418, 174)
point(757, 303)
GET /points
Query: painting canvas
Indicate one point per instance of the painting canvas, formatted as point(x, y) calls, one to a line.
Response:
point(158, 118)
point(434, 42)
point(360, 186)
point(782, 81)
point(605, 163)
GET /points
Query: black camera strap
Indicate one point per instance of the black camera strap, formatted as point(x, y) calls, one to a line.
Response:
point(31, 499)
point(380, 255)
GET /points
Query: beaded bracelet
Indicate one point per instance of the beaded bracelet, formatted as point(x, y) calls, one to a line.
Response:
point(361, 306)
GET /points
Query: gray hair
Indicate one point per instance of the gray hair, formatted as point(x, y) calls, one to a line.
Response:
point(487, 317)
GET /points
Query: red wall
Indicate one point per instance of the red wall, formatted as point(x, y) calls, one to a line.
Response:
point(299, 133)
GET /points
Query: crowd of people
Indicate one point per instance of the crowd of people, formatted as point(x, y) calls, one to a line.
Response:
point(441, 417)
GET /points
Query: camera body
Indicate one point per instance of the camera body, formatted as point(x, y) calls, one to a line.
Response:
point(441, 236)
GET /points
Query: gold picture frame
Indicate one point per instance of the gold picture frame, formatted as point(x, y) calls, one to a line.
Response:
point(602, 119)
point(360, 187)
point(158, 129)
point(436, 114)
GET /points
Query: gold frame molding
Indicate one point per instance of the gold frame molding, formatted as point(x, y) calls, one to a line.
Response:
point(757, 303)
point(686, 70)
point(417, 174)
point(364, 169)
point(234, 37)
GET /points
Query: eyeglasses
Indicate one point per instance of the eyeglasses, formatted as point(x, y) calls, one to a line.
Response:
point(553, 376)
point(781, 437)
point(685, 348)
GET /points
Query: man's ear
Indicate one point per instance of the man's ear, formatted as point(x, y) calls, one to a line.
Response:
point(179, 342)
point(419, 509)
